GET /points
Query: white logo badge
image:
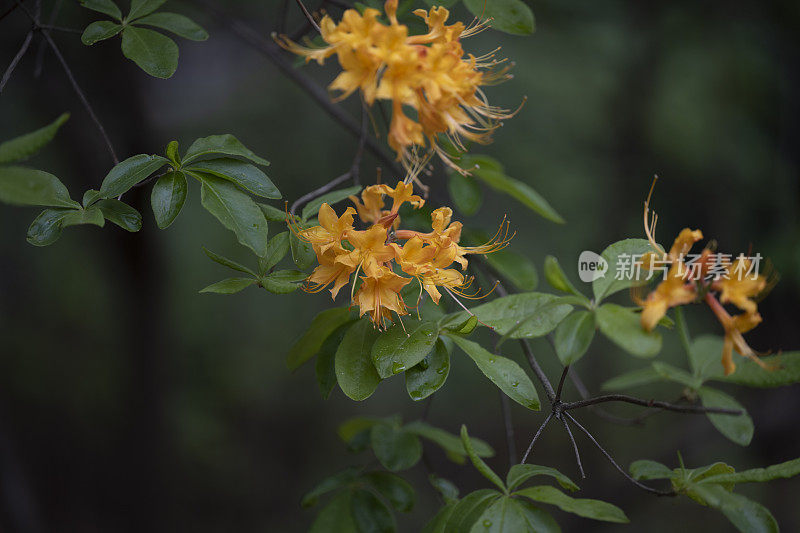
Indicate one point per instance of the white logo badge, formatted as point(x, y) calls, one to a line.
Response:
point(591, 266)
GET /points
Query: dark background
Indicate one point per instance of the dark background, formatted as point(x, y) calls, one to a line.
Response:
point(129, 402)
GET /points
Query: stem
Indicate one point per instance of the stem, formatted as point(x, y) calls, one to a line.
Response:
point(613, 462)
point(10, 10)
point(561, 382)
point(509, 425)
point(683, 330)
point(14, 62)
point(274, 53)
point(690, 409)
point(308, 16)
point(319, 192)
point(574, 447)
point(37, 70)
point(605, 415)
point(536, 436)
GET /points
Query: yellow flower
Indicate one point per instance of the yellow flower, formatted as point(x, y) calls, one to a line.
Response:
point(374, 253)
point(674, 290)
point(738, 286)
point(429, 75)
point(734, 328)
point(379, 295)
point(331, 229)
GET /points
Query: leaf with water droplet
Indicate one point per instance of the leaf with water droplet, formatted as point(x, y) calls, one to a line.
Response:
point(400, 348)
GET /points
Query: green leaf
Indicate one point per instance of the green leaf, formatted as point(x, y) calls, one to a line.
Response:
point(107, 7)
point(574, 336)
point(90, 197)
point(634, 378)
point(758, 475)
point(130, 172)
point(370, 514)
point(155, 53)
point(438, 523)
point(491, 172)
point(352, 430)
point(173, 154)
point(467, 511)
point(140, 8)
point(336, 516)
point(322, 326)
point(397, 491)
point(214, 145)
point(224, 261)
point(448, 442)
point(398, 349)
point(514, 267)
point(446, 488)
point(619, 259)
point(428, 376)
point(273, 214)
point(277, 248)
point(121, 214)
point(594, 509)
point(678, 375)
point(46, 228)
point(283, 281)
point(333, 197)
point(705, 355)
point(26, 186)
point(539, 520)
point(479, 463)
point(25, 146)
point(396, 448)
point(302, 252)
point(623, 326)
point(78, 217)
point(785, 371)
point(177, 24)
point(747, 515)
point(645, 469)
point(519, 474)
point(503, 372)
point(556, 277)
point(505, 515)
point(508, 16)
point(100, 31)
point(739, 429)
point(243, 174)
point(325, 366)
point(167, 197)
point(229, 286)
point(355, 372)
point(525, 315)
point(465, 192)
point(236, 211)
point(338, 480)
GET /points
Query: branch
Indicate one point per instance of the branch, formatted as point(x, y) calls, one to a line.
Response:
point(274, 53)
point(72, 80)
point(561, 383)
point(691, 409)
point(605, 415)
point(574, 447)
point(319, 192)
point(37, 70)
point(308, 16)
point(536, 436)
point(613, 462)
point(10, 10)
point(14, 62)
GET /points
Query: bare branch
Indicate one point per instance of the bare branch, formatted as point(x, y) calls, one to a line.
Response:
point(574, 447)
point(536, 436)
point(319, 192)
point(602, 413)
point(561, 382)
point(613, 462)
point(690, 409)
point(308, 16)
point(14, 62)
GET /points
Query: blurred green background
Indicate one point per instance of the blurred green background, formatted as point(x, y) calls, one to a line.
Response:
point(129, 402)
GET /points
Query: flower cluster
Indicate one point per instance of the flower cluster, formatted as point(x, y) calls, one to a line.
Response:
point(428, 74)
point(740, 286)
point(377, 259)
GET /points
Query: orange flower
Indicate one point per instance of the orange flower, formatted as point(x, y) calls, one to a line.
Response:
point(331, 229)
point(674, 290)
point(379, 295)
point(429, 75)
point(738, 286)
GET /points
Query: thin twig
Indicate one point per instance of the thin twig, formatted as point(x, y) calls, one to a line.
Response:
point(691, 409)
point(60, 28)
point(600, 412)
point(308, 16)
point(561, 382)
point(536, 436)
point(74, 82)
point(319, 192)
point(509, 426)
point(574, 447)
point(10, 10)
point(613, 462)
point(274, 53)
point(37, 69)
point(14, 62)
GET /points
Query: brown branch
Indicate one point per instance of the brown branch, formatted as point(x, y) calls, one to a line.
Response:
point(689, 409)
point(14, 62)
